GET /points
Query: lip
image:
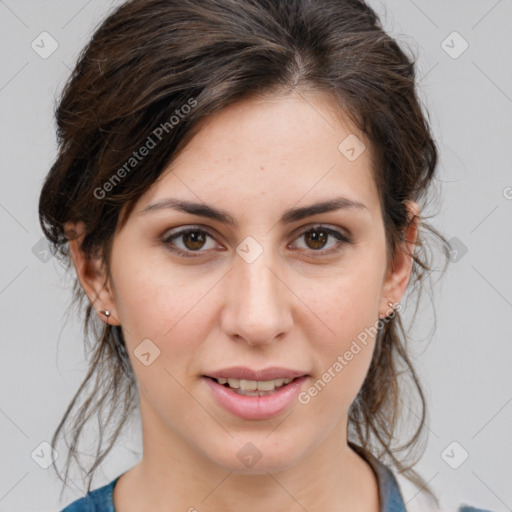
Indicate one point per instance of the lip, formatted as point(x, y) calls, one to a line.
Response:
point(241, 372)
point(256, 407)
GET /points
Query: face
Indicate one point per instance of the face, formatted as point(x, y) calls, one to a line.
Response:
point(276, 287)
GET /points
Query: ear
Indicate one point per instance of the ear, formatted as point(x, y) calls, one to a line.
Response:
point(90, 272)
point(399, 270)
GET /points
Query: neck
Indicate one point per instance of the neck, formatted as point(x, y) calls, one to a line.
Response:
point(172, 475)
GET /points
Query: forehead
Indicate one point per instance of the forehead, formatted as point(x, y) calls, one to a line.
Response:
point(282, 150)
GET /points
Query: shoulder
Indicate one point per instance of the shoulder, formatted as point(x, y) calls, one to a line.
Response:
point(99, 500)
point(420, 502)
point(469, 508)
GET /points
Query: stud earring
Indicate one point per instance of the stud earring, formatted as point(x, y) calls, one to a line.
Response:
point(384, 315)
point(106, 312)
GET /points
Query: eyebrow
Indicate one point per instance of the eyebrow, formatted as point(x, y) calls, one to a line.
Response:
point(289, 216)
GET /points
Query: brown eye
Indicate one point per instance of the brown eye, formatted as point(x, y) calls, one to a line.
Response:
point(193, 240)
point(186, 242)
point(318, 237)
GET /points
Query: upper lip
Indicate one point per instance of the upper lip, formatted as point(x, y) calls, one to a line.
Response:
point(240, 372)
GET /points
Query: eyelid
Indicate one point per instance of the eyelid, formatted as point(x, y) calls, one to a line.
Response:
point(328, 227)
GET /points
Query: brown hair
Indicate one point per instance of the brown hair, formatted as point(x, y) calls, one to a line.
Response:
point(146, 62)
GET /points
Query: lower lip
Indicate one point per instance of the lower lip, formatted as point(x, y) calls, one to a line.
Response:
point(256, 407)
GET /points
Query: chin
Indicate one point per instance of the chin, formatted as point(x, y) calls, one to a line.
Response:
point(258, 457)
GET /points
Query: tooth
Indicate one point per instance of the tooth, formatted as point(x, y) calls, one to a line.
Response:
point(253, 385)
point(266, 385)
point(234, 383)
point(248, 385)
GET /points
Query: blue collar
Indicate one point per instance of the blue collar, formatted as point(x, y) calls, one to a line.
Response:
point(391, 499)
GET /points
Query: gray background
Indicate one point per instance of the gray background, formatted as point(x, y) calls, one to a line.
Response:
point(466, 368)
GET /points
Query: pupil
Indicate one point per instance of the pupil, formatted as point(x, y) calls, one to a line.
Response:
point(319, 238)
point(197, 240)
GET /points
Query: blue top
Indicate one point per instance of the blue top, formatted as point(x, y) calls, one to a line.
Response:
point(100, 500)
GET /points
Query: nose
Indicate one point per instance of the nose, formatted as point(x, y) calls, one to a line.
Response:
point(257, 308)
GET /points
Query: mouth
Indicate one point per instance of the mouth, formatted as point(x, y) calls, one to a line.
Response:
point(252, 395)
point(247, 387)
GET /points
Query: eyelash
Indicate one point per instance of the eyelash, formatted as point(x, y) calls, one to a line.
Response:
point(167, 240)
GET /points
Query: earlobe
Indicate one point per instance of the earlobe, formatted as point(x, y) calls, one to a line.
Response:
point(90, 272)
point(399, 272)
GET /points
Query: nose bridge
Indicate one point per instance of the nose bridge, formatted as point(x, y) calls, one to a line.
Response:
point(258, 308)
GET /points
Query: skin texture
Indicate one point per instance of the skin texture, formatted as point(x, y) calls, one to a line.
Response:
point(290, 307)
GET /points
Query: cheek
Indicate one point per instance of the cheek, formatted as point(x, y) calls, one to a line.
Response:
point(155, 300)
point(348, 304)
point(169, 307)
point(349, 308)
point(342, 360)
point(162, 307)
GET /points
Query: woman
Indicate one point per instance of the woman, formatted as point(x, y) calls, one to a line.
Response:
point(239, 187)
